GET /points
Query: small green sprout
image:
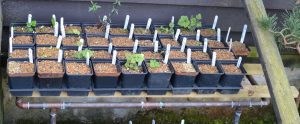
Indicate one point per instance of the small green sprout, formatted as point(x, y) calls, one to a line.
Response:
point(74, 31)
point(133, 60)
point(154, 64)
point(94, 7)
point(31, 25)
point(83, 54)
point(53, 20)
point(190, 23)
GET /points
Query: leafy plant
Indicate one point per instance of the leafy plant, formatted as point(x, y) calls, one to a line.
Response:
point(190, 23)
point(133, 60)
point(53, 20)
point(74, 31)
point(94, 7)
point(83, 54)
point(31, 25)
point(114, 10)
point(169, 30)
point(154, 64)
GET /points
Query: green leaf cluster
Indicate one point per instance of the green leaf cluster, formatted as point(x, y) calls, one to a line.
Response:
point(83, 54)
point(190, 23)
point(154, 64)
point(114, 10)
point(268, 22)
point(53, 20)
point(132, 61)
point(74, 31)
point(31, 25)
point(94, 7)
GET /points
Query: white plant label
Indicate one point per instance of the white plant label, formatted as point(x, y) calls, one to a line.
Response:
point(177, 34)
point(148, 24)
point(54, 17)
point(30, 54)
point(87, 59)
point(104, 18)
point(107, 30)
point(155, 35)
point(219, 35)
point(135, 46)
point(238, 64)
point(182, 121)
point(131, 31)
point(167, 54)
point(110, 46)
point(153, 121)
point(198, 35)
point(56, 29)
point(230, 45)
point(29, 18)
point(155, 46)
point(189, 55)
point(227, 35)
point(214, 58)
point(130, 122)
point(215, 22)
point(12, 31)
point(126, 22)
point(114, 57)
point(62, 27)
point(60, 56)
point(59, 40)
point(140, 63)
point(10, 45)
point(81, 44)
point(243, 33)
point(205, 45)
point(183, 44)
point(172, 20)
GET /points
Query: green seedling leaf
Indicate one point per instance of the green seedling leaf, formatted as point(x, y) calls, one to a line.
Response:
point(53, 22)
point(94, 7)
point(132, 61)
point(184, 22)
point(154, 64)
point(83, 54)
point(199, 16)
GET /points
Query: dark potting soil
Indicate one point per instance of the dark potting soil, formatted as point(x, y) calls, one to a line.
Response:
point(176, 54)
point(215, 44)
point(239, 48)
point(44, 29)
point(77, 68)
point(166, 41)
point(47, 52)
point(97, 41)
point(105, 68)
point(118, 31)
point(71, 41)
point(93, 30)
point(224, 54)
point(122, 42)
point(231, 68)
point(152, 55)
point(198, 55)
point(206, 68)
point(183, 67)
point(48, 66)
point(19, 53)
point(141, 31)
point(208, 32)
point(163, 68)
point(46, 39)
point(22, 40)
point(20, 67)
point(103, 54)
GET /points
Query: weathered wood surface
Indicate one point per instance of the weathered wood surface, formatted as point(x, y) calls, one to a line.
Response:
point(281, 93)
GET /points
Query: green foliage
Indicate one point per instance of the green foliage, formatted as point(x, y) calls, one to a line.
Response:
point(31, 25)
point(74, 31)
point(190, 23)
point(268, 23)
point(53, 20)
point(94, 7)
point(132, 61)
point(167, 30)
point(114, 10)
point(83, 54)
point(154, 64)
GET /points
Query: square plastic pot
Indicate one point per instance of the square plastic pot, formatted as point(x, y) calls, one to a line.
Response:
point(232, 80)
point(126, 47)
point(84, 25)
point(74, 46)
point(50, 92)
point(44, 45)
point(119, 26)
point(50, 80)
point(210, 52)
point(101, 59)
point(156, 26)
point(15, 24)
point(121, 49)
point(78, 92)
point(159, 80)
point(208, 37)
point(25, 45)
point(184, 35)
point(78, 81)
point(74, 24)
point(180, 39)
point(169, 37)
point(140, 50)
point(147, 38)
point(142, 26)
point(45, 24)
point(201, 50)
point(23, 48)
point(133, 80)
point(96, 47)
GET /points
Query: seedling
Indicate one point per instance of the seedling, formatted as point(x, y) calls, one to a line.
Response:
point(133, 60)
point(74, 31)
point(78, 43)
point(31, 25)
point(82, 54)
point(53, 20)
point(154, 64)
point(167, 30)
point(190, 23)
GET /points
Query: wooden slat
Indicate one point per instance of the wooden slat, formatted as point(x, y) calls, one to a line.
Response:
point(280, 90)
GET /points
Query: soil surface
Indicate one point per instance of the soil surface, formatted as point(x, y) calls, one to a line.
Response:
point(159, 31)
point(122, 54)
point(122, 42)
point(20, 67)
point(183, 67)
point(103, 54)
point(141, 31)
point(48, 66)
point(231, 68)
point(224, 54)
point(70, 29)
point(198, 55)
point(208, 32)
point(118, 31)
point(166, 41)
point(46, 39)
point(163, 68)
point(215, 44)
point(239, 49)
point(23, 40)
point(207, 68)
point(191, 42)
point(97, 41)
point(19, 53)
point(152, 55)
point(70, 54)
point(47, 52)
point(127, 70)
point(77, 68)
point(71, 41)
point(105, 68)
point(44, 29)
point(184, 31)
point(21, 29)
point(146, 43)
point(175, 54)
point(93, 30)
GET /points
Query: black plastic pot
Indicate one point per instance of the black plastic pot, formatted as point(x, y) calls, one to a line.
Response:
point(150, 50)
point(74, 46)
point(15, 24)
point(66, 49)
point(156, 26)
point(48, 58)
point(210, 52)
point(142, 26)
point(207, 79)
point(122, 49)
point(102, 36)
point(147, 38)
point(78, 91)
point(127, 47)
point(106, 80)
point(191, 47)
point(43, 45)
point(78, 81)
point(21, 92)
point(201, 50)
point(169, 37)
point(50, 92)
point(101, 49)
point(119, 26)
point(84, 25)
point(22, 48)
point(44, 24)
point(208, 37)
point(25, 45)
point(184, 35)
point(74, 24)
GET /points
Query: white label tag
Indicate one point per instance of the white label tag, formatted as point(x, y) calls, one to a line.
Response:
point(54, 17)
point(104, 19)
point(238, 64)
point(183, 44)
point(12, 31)
point(177, 34)
point(131, 31)
point(215, 22)
point(198, 35)
point(87, 59)
point(62, 27)
point(10, 45)
point(135, 46)
point(126, 22)
point(29, 18)
point(148, 24)
point(230, 44)
point(59, 39)
point(189, 54)
point(114, 57)
point(214, 58)
point(182, 121)
point(243, 34)
point(107, 30)
point(30, 54)
point(60, 56)
point(205, 45)
point(155, 46)
point(56, 29)
point(172, 20)
point(110, 46)
point(153, 121)
point(167, 54)
point(155, 35)
point(81, 44)
point(227, 36)
point(219, 35)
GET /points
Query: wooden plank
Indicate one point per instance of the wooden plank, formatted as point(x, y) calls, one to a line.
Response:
point(281, 93)
point(253, 69)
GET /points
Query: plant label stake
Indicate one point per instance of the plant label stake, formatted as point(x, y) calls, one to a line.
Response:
point(130, 122)
point(60, 56)
point(62, 27)
point(11, 31)
point(238, 64)
point(140, 63)
point(107, 30)
point(172, 20)
point(131, 31)
point(153, 121)
point(214, 58)
point(54, 17)
point(87, 58)
point(167, 54)
point(81, 44)
point(230, 45)
point(205, 45)
point(243, 33)
point(126, 22)
point(155, 35)
point(59, 39)
point(104, 18)
point(177, 34)
point(182, 121)
point(215, 22)
point(198, 35)
point(148, 24)
point(29, 18)
point(56, 29)
point(136, 43)
point(114, 57)
point(227, 36)
point(30, 55)
point(219, 35)
point(10, 45)
point(110, 48)
point(155, 46)
point(189, 54)
point(183, 45)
